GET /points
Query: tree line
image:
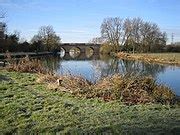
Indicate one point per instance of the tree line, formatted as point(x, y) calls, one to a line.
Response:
point(117, 34)
point(45, 40)
point(135, 35)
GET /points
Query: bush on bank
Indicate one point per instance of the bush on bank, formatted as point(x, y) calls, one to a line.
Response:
point(129, 89)
point(106, 49)
point(28, 107)
point(46, 103)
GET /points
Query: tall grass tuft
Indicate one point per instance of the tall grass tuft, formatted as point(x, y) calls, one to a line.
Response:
point(133, 90)
point(27, 65)
point(127, 89)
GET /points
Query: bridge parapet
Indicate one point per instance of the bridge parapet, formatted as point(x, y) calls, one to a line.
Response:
point(81, 46)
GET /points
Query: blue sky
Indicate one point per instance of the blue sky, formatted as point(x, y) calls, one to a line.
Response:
point(80, 20)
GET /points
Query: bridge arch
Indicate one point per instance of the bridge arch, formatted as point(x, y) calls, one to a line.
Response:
point(62, 52)
point(75, 51)
point(84, 49)
point(89, 51)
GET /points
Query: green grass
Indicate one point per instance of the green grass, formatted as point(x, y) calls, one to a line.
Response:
point(160, 58)
point(29, 107)
point(169, 57)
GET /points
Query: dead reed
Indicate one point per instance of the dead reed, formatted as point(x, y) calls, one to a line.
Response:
point(160, 58)
point(27, 65)
point(128, 89)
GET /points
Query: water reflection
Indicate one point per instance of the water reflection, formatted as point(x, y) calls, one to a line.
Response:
point(74, 52)
point(101, 66)
point(51, 63)
point(112, 66)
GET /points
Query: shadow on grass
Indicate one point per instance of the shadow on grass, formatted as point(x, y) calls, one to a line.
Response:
point(169, 128)
point(4, 78)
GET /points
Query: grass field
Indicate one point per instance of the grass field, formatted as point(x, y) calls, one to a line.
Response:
point(163, 58)
point(29, 107)
point(166, 56)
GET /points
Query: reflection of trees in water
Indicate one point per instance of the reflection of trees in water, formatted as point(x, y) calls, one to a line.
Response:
point(74, 52)
point(108, 66)
point(111, 66)
point(142, 68)
point(105, 67)
point(152, 69)
point(89, 52)
point(52, 63)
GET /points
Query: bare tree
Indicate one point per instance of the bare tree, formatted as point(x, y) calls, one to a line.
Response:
point(97, 40)
point(133, 34)
point(127, 33)
point(2, 25)
point(152, 38)
point(111, 30)
point(48, 37)
point(127, 28)
point(136, 34)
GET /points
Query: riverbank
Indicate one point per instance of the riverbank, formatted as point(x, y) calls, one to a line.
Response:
point(23, 54)
point(161, 58)
point(30, 106)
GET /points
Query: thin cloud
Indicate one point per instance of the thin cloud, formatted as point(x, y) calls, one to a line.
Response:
point(73, 31)
point(32, 30)
point(26, 4)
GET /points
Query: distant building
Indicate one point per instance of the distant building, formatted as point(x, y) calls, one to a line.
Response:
point(2, 30)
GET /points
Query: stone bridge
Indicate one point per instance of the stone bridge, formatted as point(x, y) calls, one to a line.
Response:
point(82, 47)
point(82, 57)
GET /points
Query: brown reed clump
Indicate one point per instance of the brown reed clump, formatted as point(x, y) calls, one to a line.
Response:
point(129, 90)
point(72, 84)
point(133, 90)
point(163, 94)
point(27, 65)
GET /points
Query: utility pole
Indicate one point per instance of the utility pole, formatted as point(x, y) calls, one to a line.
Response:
point(2, 27)
point(172, 39)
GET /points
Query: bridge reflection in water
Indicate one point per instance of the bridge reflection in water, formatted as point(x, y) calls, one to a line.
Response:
point(79, 51)
point(81, 56)
point(99, 66)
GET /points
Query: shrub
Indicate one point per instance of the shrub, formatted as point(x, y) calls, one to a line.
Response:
point(27, 65)
point(106, 49)
point(163, 94)
point(128, 89)
point(133, 90)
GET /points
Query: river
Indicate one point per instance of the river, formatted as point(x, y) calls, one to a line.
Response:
point(102, 66)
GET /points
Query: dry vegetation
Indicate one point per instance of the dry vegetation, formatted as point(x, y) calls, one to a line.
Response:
point(162, 58)
point(26, 65)
point(50, 104)
point(128, 89)
point(29, 107)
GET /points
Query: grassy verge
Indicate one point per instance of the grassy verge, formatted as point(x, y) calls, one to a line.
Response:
point(162, 58)
point(27, 106)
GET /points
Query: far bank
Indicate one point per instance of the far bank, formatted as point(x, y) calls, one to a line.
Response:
point(160, 58)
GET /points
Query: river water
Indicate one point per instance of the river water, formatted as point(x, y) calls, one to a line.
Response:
point(102, 66)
